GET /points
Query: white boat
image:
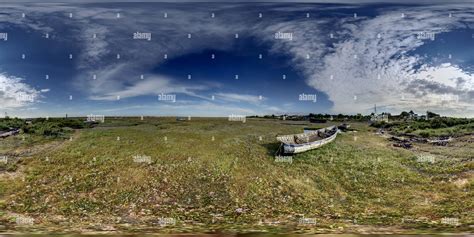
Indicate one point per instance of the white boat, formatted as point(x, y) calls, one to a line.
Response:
point(9, 133)
point(297, 143)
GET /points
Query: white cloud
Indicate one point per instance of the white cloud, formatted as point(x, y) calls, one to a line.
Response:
point(332, 67)
point(182, 108)
point(232, 97)
point(152, 85)
point(448, 75)
point(349, 71)
point(15, 94)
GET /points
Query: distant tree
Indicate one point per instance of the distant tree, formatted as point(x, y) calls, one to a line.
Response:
point(437, 123)
point(431, 114)
point(404, 114)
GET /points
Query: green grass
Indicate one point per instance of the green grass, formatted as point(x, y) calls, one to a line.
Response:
point(216, 174)
point(436, 127)
point(449, 131)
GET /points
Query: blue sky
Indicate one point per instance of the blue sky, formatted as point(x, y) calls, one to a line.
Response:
point(350, 56)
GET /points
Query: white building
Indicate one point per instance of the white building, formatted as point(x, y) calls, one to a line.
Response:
point(379, 117)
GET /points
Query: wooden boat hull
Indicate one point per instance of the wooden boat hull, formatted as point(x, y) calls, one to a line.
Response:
point(9, 133)
point(292, 148)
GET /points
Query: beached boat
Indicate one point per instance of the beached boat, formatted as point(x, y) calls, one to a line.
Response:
point(11, 132)
point(310, 139)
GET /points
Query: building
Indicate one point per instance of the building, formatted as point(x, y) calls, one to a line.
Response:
point(383, 117)
point(412, 115)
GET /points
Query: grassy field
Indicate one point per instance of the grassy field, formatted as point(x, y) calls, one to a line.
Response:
point(211, 174)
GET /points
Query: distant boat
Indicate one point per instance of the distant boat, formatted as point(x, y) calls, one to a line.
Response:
point(11, 132)
point(309, 140)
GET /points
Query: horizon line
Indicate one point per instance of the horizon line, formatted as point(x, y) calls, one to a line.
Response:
point(210, 116)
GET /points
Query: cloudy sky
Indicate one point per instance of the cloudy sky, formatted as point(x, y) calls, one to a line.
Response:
point(218, 59)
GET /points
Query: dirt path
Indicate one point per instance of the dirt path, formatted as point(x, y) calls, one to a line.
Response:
point(18, 154)
point(29, 152)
